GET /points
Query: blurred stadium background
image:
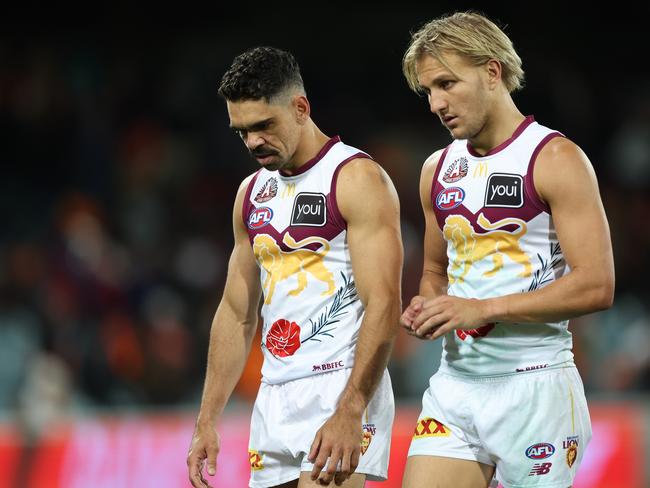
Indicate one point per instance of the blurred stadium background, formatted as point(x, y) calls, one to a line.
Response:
point(118, 175)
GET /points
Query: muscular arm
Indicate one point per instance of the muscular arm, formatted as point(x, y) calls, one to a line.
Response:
point(368, 202)
point(233, 328)
point(565, 180)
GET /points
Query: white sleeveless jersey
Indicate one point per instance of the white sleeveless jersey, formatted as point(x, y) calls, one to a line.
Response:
point(311, 312)
point(500, 240)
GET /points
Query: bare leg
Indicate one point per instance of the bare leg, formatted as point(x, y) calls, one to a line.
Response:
point(443, 472)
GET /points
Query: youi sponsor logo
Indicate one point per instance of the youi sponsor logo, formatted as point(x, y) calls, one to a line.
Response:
point(504, 190)
point(309, 209)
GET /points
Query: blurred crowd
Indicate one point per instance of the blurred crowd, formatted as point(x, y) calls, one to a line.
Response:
point(118, 176)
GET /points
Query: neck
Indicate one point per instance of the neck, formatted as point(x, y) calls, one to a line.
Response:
point(311, 142)
point(501, 122)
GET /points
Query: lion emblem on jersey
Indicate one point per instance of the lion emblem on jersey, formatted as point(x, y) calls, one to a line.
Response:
point(471, 247)
point(280, 265)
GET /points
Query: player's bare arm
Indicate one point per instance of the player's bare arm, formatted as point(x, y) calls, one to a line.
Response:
point(565, 180)
point(233, 328)
point(434, 269)
point(368, 202)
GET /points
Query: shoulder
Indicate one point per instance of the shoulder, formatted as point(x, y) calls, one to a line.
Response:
point(561, 166)
point(560, 147)
point(428, 171)
point(363, 184)
point(431, 163)
point(362, 172)
point(242, 190)
point(561, 157)
point(243, 186)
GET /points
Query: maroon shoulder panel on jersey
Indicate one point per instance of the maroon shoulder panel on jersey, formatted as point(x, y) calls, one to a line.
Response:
point(529, 183)
point(435, 186)
point(333, 205)
point(246, 206)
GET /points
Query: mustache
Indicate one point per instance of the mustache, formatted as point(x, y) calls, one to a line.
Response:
point(263, 151)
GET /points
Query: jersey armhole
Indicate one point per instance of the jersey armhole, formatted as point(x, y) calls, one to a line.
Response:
point(434, 183)
point(529, 182)
point(334, 207)
point(246, 205)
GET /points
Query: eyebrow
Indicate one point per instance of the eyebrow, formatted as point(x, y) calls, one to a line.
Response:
point(254, 127)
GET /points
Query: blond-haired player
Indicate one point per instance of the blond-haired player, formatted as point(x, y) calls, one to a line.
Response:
point(516, 244)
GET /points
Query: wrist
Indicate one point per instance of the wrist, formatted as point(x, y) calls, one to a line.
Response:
point(351, 403)
point(206, 421)
point(492, 310)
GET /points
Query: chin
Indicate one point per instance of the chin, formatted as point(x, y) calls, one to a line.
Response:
point(458, 133)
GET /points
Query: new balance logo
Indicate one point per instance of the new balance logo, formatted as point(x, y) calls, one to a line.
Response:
point(540, 469)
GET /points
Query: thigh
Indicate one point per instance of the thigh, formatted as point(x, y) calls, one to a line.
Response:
point(445, 427)
point(442, 472)
point(538, 430)
point(272, 461)
point(377, 423)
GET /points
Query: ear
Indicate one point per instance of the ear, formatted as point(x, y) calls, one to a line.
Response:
point(493, 71)
point(301, 108)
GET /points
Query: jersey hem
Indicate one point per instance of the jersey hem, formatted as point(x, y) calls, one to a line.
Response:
point(451, 371)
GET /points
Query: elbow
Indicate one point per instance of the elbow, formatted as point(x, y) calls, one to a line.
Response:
point(603, 296)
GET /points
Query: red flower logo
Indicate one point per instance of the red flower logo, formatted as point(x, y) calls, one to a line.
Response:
point(283, 339)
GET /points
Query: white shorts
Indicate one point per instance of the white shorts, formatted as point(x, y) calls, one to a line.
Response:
point(534, 427)
point(287, 416)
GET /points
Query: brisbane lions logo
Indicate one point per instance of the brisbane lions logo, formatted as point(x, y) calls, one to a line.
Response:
point(471, 247)
point(280, 265)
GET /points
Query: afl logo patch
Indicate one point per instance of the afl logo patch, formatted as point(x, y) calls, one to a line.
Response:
point(260, 217)
point(450, 198)
point(542, 450)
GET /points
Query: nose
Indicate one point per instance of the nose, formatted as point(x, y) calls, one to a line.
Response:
point(253, 140)
point(437, 103)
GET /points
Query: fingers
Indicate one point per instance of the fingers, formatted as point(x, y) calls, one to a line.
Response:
point(411, 311)
point(346, 469)
point(196, 478)
point(320, 462)
point(315, 446)
point(431, 323)
point(442, 330)
point(212, 452)
point(327, 476)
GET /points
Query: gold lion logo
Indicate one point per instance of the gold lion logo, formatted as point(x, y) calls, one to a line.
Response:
point(471, 247)
point(280, 265)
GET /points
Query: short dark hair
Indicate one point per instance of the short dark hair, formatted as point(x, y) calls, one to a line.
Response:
point(260, 73)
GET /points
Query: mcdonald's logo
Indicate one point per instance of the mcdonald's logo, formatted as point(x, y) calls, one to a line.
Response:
point(480, 170)
point(289, 190)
